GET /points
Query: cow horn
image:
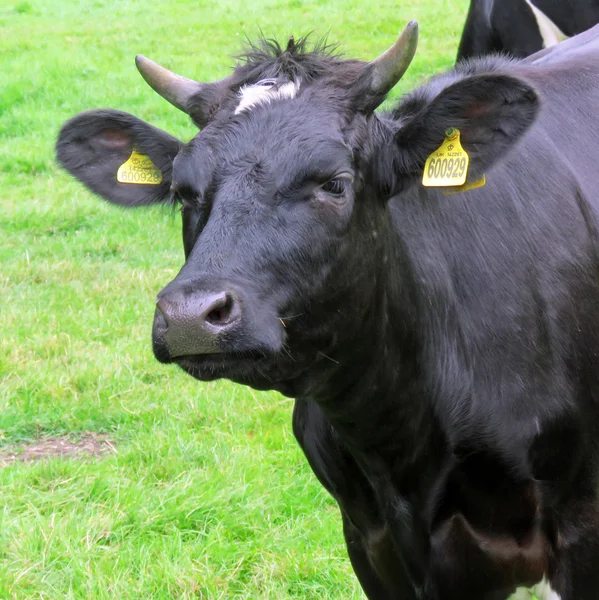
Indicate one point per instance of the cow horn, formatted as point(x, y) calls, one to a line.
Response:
point(174, 88)
point(389, 67)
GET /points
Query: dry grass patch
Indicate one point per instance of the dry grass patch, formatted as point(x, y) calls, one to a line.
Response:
point(90, 444)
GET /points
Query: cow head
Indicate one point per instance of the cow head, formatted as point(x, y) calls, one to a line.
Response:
point(283, 193)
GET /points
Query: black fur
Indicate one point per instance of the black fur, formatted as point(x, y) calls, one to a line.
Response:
point(267, 58)
point(510, 26)
point(94, 144)
point(443, 350)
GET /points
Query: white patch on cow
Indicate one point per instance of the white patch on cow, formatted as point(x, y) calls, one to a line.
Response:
point(549, 31)
point(542, 591)
point(265, 92)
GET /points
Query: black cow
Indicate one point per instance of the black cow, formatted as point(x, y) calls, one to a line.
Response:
point(443, 350)
point(522, 27)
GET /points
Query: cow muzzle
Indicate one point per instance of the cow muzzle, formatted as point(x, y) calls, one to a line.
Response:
point(194, 322)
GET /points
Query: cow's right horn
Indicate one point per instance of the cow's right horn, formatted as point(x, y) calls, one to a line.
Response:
point(174, 88)
point(199, 100)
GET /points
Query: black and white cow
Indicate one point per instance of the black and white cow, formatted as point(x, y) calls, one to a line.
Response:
point(443, 350)
point(522, 27)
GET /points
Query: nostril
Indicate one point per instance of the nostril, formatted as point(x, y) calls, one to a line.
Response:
point(159, 319)
point(159, 328)
point(222, 311)
point(161, 312)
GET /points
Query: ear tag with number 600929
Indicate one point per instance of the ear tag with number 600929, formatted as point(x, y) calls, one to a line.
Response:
point(447, 166)
point(139, 169)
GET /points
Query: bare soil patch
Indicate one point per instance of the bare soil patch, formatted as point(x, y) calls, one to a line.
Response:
point(90, 444)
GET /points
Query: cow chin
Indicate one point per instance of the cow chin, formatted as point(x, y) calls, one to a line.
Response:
point(255, 369)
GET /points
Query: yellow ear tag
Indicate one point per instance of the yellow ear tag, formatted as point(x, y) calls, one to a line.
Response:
point(139, 169)
point(448, 165)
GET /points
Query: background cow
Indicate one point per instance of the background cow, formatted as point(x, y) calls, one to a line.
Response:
point(522, 27)
point(443, 350)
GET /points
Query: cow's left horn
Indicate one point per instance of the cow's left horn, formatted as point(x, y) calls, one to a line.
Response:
point(174, 88)
point(386, 70)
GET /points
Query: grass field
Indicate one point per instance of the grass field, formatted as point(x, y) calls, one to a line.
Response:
point(206, 494)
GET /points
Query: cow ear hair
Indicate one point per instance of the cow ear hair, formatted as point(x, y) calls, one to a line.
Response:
point(94, 144)
point(491, 111)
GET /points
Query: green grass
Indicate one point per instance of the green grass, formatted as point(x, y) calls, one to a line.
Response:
point(208, 495)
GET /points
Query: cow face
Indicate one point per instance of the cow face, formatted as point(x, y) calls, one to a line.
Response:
point(274, 206)
point(283, 200)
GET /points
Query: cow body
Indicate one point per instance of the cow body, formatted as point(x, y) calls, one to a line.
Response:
point(505, 331)
point(443, 351)
point(523, 27)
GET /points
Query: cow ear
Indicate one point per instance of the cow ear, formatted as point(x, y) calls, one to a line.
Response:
point(94, 144)
point(491, 111)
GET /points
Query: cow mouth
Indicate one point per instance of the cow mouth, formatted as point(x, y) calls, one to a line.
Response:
point(247, 367)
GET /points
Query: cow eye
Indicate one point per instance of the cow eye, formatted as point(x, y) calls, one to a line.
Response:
point(335, 187)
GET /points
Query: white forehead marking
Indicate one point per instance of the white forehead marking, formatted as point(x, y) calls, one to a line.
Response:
point(549, 31)
point(264, 92)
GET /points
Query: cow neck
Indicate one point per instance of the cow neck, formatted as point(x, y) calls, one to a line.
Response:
point(374, 395)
